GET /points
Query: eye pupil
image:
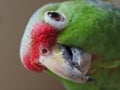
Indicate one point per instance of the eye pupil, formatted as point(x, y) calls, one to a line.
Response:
point(54, 15)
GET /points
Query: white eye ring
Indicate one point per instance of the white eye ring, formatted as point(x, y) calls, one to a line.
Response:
point(55, 19)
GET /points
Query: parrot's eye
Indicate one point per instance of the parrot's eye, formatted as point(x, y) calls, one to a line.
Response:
point(55, 19)
point(55, 16)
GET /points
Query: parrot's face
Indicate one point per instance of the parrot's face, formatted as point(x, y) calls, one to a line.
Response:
point(57, 38)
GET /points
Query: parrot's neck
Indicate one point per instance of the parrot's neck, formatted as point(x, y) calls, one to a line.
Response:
point(70, 85)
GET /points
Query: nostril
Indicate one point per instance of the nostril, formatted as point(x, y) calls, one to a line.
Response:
point(44, 51)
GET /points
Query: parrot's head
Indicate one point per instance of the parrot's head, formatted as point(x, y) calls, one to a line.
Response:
point(59, 37)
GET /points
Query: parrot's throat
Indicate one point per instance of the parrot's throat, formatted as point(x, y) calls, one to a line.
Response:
point(42, 36)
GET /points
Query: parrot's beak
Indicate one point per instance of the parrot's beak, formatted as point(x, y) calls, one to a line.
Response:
point(69, 63)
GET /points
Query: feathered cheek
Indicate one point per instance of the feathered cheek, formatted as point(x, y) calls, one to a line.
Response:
point(48, 40)
point(44, 34)
point(32, 64)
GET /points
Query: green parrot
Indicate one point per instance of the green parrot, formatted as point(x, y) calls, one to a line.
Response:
point(77, 42)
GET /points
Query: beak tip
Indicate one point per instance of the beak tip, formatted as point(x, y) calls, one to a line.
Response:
point(91, 79)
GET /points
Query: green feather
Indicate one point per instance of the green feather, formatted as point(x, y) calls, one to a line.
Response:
point(94, 26)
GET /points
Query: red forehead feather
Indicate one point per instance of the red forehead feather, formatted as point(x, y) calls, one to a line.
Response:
point(42, 35)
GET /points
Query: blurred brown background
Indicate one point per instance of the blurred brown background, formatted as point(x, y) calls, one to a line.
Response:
point(14, 15)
